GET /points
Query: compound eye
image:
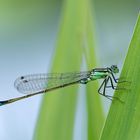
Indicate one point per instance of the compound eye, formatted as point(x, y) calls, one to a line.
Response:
point(114, 69)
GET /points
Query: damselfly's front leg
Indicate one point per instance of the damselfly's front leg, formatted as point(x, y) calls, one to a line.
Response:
point(117, 80)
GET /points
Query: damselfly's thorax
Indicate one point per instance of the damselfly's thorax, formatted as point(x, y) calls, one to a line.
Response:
point(94, 75)
point(98, 74)
point(101, 73)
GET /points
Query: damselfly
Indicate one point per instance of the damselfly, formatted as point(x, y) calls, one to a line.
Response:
point(42, 83)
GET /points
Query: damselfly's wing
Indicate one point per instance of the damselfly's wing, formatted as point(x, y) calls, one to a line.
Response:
point(39, 82)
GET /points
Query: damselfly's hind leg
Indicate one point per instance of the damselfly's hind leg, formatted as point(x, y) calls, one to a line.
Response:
point(104, 86)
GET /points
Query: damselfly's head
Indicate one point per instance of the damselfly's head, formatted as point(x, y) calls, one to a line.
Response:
point(114, 69)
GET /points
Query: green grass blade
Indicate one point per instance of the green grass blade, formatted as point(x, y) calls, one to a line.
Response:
point(57, 114)
point(95, 111)
point(123, 121)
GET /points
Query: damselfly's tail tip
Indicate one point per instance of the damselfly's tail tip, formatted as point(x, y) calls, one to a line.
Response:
point(3, 103)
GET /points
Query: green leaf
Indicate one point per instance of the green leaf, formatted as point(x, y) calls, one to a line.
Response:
point(75, 40)
point(123, 120)
point(56, 119)
point(95, 111)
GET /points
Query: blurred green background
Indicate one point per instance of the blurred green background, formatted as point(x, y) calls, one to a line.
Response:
point(28, 35)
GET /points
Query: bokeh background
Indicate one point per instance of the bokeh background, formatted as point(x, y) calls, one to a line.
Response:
point(28, 33)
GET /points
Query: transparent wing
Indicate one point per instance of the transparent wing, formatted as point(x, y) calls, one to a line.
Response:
point(38, 82)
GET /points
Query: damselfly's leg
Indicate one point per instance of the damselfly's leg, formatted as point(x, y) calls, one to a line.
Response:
point(112, 84)
point(118, 80)
point(114, 87)
point(103, 85)
point(99, 90)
